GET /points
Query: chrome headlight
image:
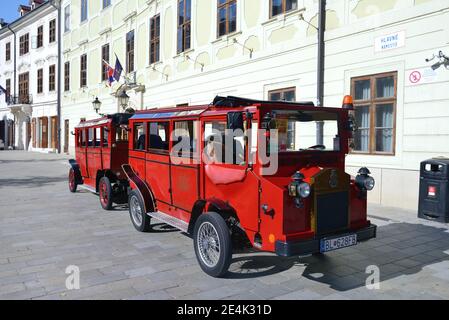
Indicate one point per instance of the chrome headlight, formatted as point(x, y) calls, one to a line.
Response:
point(369, 183)
point(304, 190)
point(364, 181)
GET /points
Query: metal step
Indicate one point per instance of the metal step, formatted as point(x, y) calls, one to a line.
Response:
point(170, 220)
point(85, 187)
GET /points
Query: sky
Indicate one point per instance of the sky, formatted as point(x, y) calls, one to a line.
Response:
point(8, 9)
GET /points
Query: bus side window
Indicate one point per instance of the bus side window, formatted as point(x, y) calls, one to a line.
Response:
point(158, 135)
point(105, 131)
point(82, 135)
point(139, 136)
point(90, 136)
point(97, 137)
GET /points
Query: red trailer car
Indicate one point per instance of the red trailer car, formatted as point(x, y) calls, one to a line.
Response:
point(307, 205)
point(101, 148)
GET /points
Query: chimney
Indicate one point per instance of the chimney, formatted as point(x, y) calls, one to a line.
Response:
point(23, 10)
point(33, 4)
point(3, 23)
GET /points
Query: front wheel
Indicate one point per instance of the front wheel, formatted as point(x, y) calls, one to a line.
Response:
point(72, 181)
point(213, 247)
point(139, 218)
point(105, 189)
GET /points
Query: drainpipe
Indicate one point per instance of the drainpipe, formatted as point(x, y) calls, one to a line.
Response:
point(58, 103)
point(320, 66)
point(15, 82)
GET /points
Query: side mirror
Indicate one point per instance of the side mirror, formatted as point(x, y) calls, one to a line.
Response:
point(235, 121)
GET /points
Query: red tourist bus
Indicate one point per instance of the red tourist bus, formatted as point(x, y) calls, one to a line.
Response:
point(101, 148)
point(306, 205)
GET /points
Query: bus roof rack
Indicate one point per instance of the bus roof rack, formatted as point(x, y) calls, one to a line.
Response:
point(232, 102)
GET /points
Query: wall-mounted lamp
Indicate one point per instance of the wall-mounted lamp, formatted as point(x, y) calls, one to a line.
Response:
point(251, 50)
point(123, 99)
point(195, 62)
point(96, 104)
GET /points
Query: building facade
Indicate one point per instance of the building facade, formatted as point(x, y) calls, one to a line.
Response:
point(28, 64)
point(177, 52)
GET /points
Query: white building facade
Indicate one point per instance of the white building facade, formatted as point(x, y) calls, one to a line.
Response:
point(28, 64)
point(188, 51)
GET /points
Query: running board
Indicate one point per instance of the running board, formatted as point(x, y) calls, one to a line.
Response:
point(83, 186)
point(171, 221)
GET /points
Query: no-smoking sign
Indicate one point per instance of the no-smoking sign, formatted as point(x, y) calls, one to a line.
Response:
point(415, 77)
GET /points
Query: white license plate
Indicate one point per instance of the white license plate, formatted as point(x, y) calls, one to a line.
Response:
point(327, 245)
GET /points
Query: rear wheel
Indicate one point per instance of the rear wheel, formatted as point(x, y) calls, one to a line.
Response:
point(139, 218)
point(213, 246)
point(72, 181)
point(105, 189)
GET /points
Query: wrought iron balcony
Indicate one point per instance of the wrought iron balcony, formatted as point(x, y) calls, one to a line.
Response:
point(20, 99)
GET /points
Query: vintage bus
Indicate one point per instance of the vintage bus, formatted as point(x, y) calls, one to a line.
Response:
point(101, 148)
point(251, 170)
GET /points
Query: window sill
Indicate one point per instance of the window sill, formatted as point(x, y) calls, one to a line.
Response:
point(184, 53)
point(227, 37)
point(154, 65)
point(283, 16)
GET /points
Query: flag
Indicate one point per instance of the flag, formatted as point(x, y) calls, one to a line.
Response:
point(110, 75)
point(118, 69)
point(3, 91)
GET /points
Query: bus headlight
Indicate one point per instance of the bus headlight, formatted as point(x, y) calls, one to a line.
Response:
point(364, 181)
point(304, 190)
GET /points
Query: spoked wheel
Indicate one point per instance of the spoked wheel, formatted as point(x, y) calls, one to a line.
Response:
point(139, 218)
point(72, 181)
point(105, 190)
point(213, 247)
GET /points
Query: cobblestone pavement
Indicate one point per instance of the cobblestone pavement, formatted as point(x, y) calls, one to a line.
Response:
point(44, 229)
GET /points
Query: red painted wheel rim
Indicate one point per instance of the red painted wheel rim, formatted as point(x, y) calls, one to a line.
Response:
point(104, 194)
point(71, 180)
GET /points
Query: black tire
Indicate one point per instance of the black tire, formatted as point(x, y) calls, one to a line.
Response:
point(72, 181)
point(135, 202)
point(105, 193)
point(221, 266)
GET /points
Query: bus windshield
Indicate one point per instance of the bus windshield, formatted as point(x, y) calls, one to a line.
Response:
point(297, 130)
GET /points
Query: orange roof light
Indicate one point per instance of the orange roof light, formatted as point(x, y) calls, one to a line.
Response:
point(348, 102)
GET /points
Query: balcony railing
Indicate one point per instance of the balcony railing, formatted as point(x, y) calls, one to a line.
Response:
point(20, 99)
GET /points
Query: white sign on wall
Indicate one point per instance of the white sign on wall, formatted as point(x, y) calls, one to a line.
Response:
point(390, 41)
point(421, 76)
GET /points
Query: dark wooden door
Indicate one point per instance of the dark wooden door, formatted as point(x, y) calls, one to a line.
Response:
point(44, 128)
point(66, 136)
point(54, 131)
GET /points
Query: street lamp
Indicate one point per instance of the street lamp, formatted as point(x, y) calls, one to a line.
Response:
point(96, 104)
point(123, 99)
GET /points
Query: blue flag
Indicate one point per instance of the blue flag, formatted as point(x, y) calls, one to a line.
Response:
point(2, 90)
point(118, 69)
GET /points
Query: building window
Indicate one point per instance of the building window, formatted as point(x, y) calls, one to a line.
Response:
point(282, 6)
point(8, 90)
point(40, 36)
point(130, 51)
point(226, 17)
point(24, 88)
point(24, 44)
point(67, 76)
point(287, 94)
point(155, 31)
point(83, 71)
point(184, 28)
point(84, 12)
point(67, 18)
point(104, 60)
point(8, 52)
point(106, 3)
point(52, 32)
point(52, 78)
point(40, 80)
point(375, 113)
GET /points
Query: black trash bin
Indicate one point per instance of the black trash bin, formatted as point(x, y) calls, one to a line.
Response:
point(434, 190)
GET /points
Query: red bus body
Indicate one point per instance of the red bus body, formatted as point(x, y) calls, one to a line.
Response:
point(100, 153)
point(261, 204)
